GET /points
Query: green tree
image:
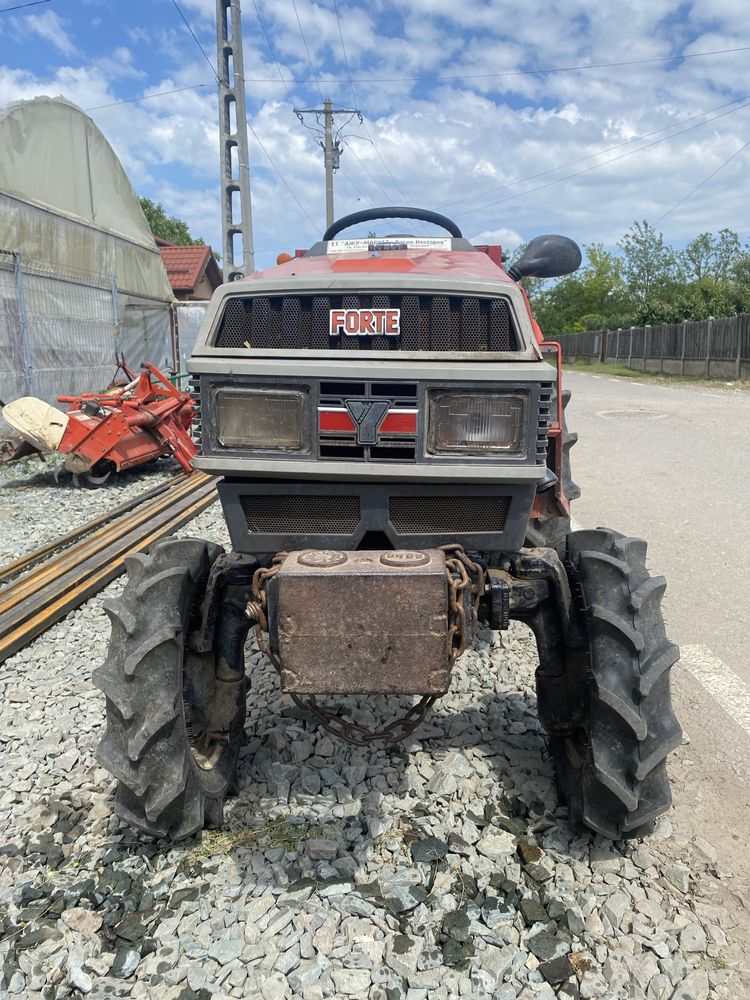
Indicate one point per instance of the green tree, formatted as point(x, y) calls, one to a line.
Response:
point(709, 256)
point(593, 298)
point(649, 269)
point(169, 227)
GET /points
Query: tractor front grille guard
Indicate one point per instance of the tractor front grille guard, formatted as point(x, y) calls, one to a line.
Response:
point(461, 572)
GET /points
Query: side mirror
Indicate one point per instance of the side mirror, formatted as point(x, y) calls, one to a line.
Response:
point(547, 257)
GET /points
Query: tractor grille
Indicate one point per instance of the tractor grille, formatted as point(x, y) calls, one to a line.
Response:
point(413, 515)
point(196, 426)
point(301, 514)
point(428, 323)
point(545, 417)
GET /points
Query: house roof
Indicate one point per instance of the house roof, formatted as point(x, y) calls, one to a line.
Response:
point(185, 265)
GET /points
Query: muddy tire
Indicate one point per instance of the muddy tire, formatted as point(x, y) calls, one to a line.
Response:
point(173, 770)
point(612, 770)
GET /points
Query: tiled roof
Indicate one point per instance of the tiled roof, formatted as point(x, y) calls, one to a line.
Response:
point(185, 266)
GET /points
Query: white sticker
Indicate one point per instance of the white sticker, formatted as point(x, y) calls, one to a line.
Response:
point(389, 243)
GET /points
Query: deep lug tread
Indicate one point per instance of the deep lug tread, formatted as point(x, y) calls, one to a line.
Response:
point(614, 780)
point(161, 790)
point(151, 644)
point(666, 746)
point(107, 679)
point(618, 626)
point(151, 727)
point(659, 664)
point(650, 590)
point(626, 711)
point(137, 566)
point(120, 616)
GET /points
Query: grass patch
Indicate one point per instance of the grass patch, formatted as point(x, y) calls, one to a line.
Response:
point(620, 371)
point(278, 833)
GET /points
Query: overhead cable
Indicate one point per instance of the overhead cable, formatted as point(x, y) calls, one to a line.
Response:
point(195, 38)
point(307, 50)
point(538, 71)
point(704, 181)
point(589, 156)
point(597, 166)
point(20, 6)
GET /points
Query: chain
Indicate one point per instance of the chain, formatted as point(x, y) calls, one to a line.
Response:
point(258, 609)
point(461, 572)
point(476, 575)
point(352, 732)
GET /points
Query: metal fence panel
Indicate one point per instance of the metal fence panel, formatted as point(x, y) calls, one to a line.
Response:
point(60, 331)
point(12, 367)
point(70, 330)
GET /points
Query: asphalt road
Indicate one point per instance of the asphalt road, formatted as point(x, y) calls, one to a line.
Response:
point(671, 464)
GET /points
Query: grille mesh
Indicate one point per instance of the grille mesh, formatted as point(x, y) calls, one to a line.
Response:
point(411, 515)
point(428, 323)
point(292, 514)
point(545, 417)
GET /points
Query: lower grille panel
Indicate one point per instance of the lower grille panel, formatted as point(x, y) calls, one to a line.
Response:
point(419, 515)
point(279, 514)
point(271, 516)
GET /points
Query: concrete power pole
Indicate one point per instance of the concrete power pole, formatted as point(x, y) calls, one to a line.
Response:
point(236, 210)
point(331, 155)
point(331, 146)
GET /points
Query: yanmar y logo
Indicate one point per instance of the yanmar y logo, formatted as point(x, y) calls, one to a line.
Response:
point(367, 416)
point(365, 322)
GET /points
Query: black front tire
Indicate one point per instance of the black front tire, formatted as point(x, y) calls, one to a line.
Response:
point(173, 770)
point(612, 769)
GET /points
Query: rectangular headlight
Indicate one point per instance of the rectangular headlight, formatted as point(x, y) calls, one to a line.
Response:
point(263, 419)
point(476, 422)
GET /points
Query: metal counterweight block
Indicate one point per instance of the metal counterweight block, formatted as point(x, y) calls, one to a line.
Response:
point(366, 622)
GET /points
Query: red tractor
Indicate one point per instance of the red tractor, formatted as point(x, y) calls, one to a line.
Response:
point(395, 467)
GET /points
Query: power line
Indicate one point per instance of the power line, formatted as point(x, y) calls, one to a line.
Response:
point(273, 53)
point(195, 38)
point(361, 193)
point(20, 6)
point(307, 50)
point(255, 134)
point(365, 168)
point(149, 97)
point(600, 152)
point(283, 179)
point(704, 181)
point(596, 166)
point(364, 123)
point(539, 71)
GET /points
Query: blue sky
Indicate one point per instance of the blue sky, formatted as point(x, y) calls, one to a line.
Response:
point(510, 153)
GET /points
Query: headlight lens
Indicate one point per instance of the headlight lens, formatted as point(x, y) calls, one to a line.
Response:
point(462, 422)
point(262, 419)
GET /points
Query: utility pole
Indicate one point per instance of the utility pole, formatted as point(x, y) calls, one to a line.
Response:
point(236, 209)
point(330, 144)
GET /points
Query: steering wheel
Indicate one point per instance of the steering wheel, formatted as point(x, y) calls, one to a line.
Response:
point(369, 214)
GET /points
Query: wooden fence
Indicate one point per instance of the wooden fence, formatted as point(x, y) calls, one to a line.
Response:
point(715, 348)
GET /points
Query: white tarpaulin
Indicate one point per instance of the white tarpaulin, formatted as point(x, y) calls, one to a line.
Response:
point(80, 274)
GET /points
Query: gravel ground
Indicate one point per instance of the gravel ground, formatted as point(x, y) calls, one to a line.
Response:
point(441, 868)
point(36, 507)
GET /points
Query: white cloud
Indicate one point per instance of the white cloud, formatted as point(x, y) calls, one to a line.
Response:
point(510, 156)
point(49, 26)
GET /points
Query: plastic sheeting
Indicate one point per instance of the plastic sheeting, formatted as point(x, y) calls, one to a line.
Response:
point(67, 207)
point(65, 199)
point(189, 318)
